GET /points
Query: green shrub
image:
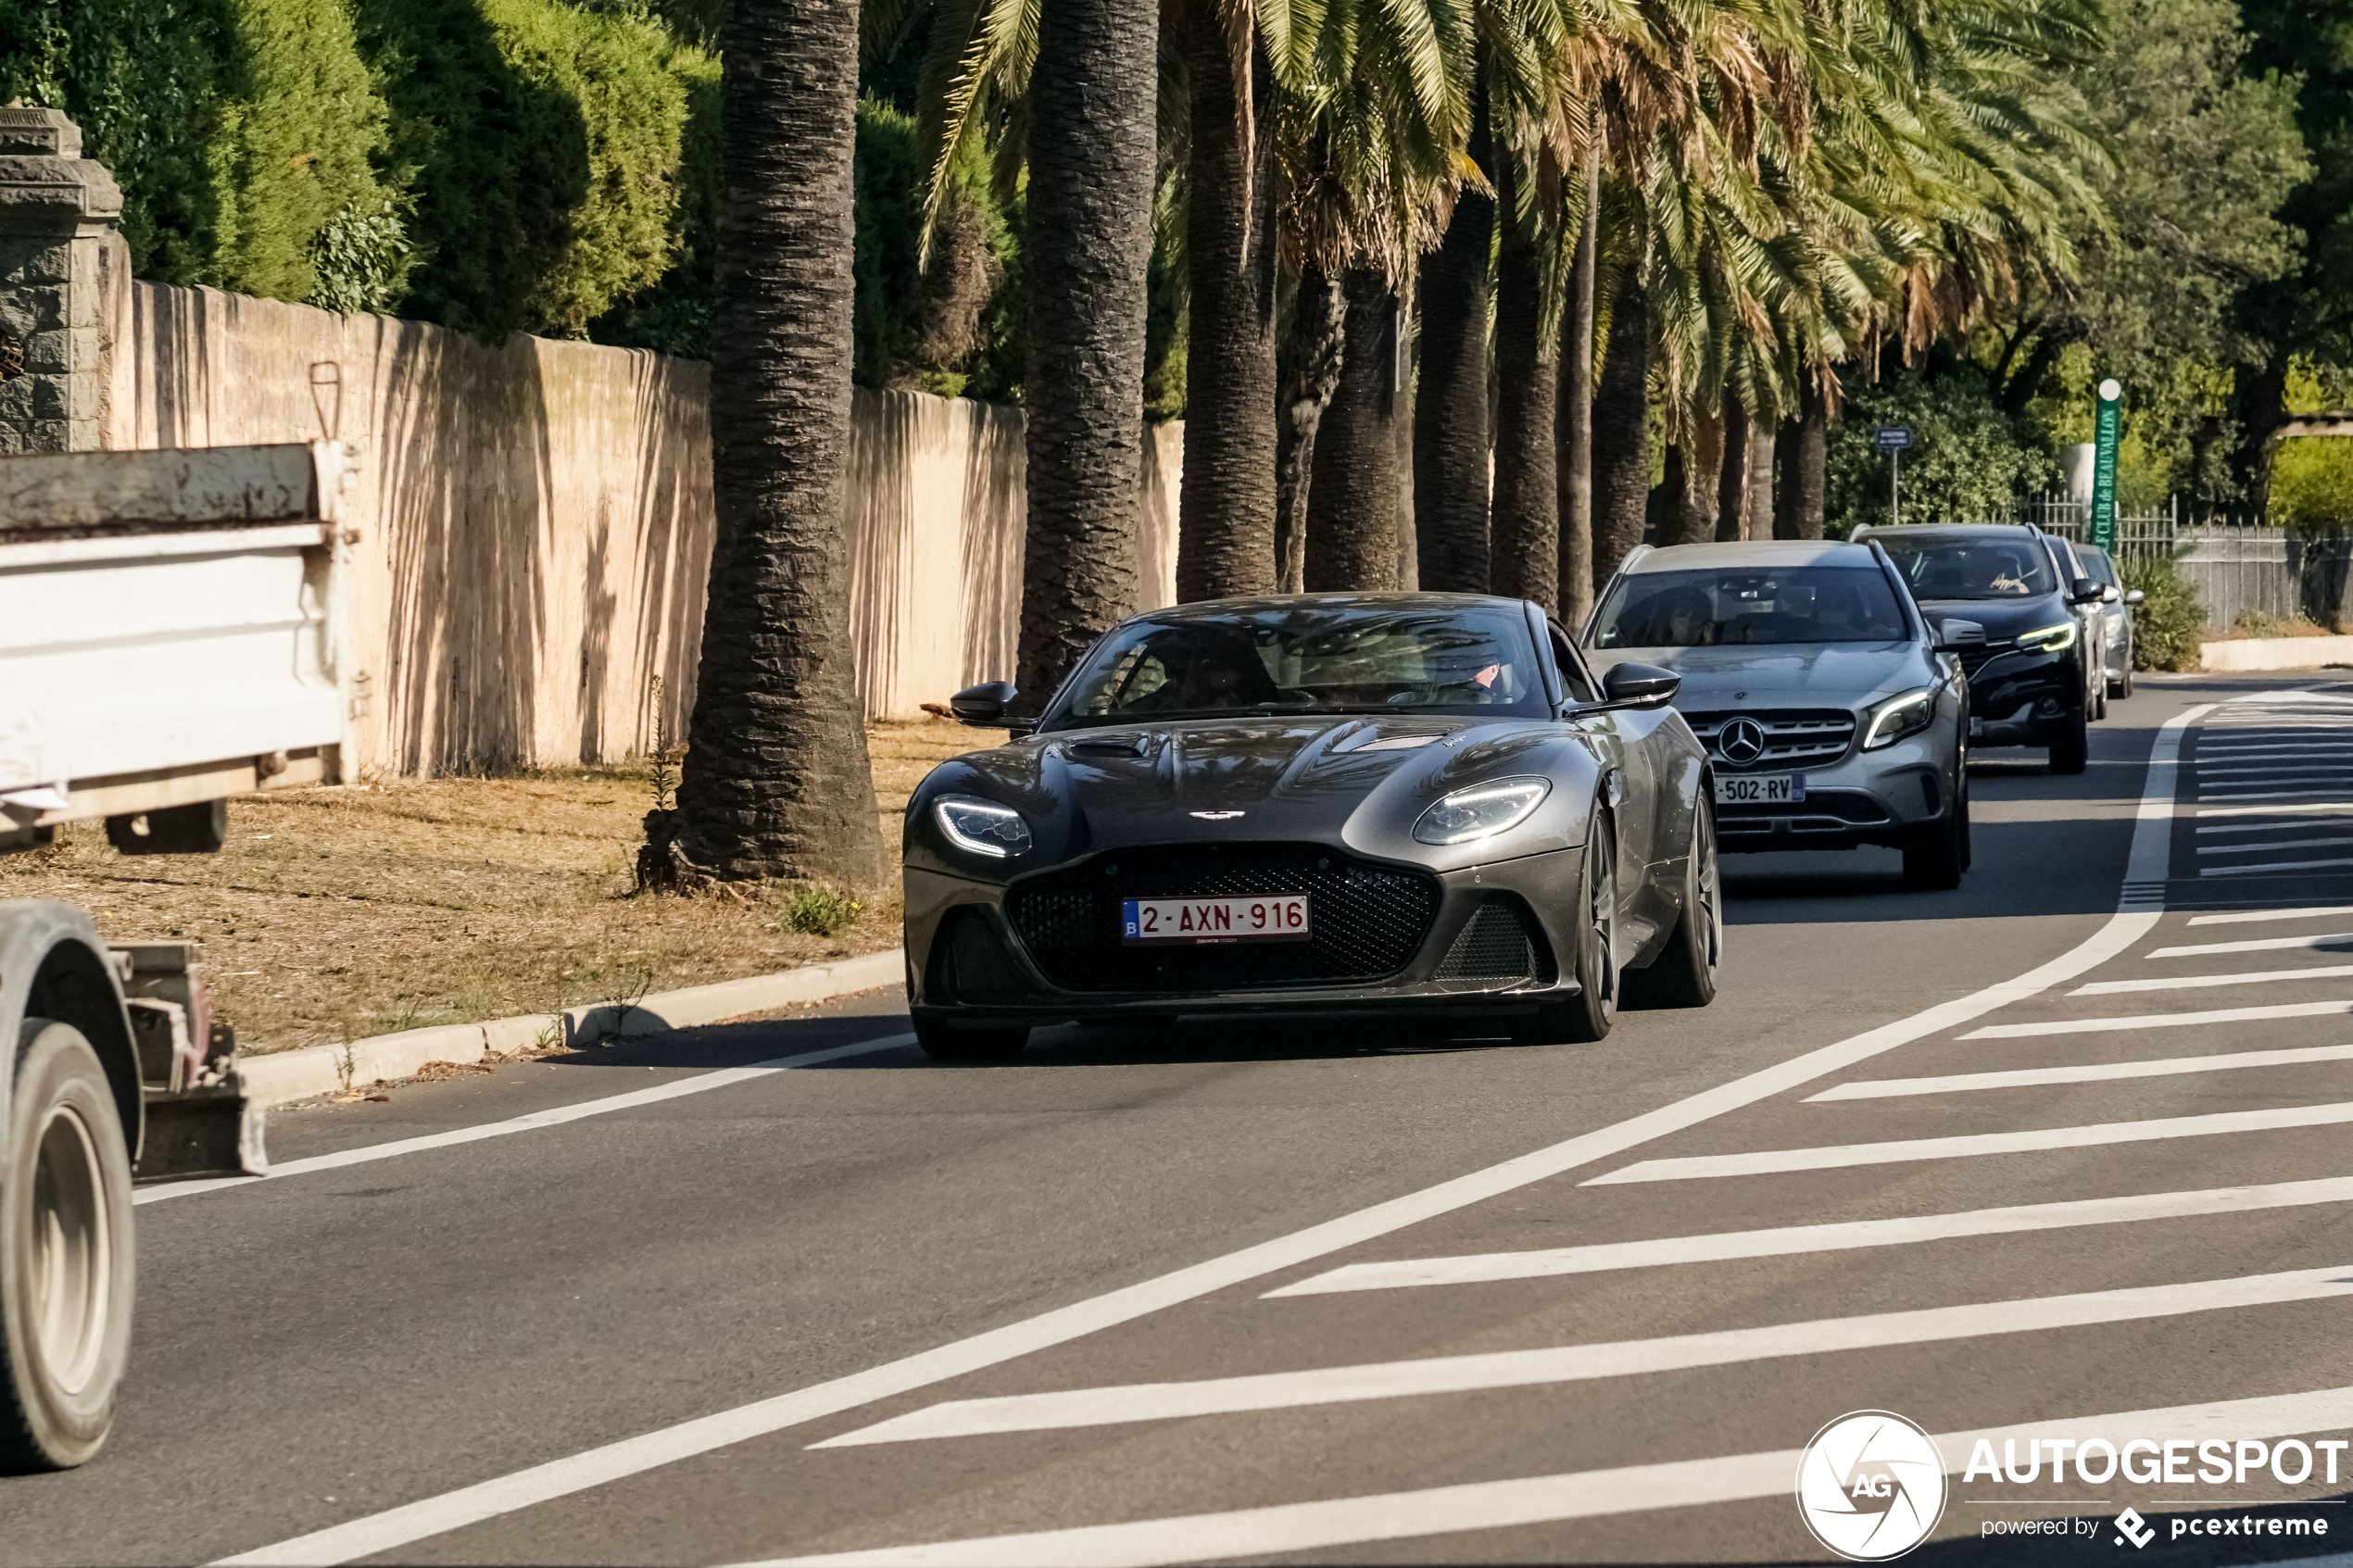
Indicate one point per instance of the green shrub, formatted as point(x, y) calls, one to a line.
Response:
point(1966, 462)
point(2167, 622)
point(815, 909)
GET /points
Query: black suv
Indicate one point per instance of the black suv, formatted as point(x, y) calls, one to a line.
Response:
point(2028, 681)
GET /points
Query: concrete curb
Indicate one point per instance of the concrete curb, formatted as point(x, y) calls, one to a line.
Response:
point(2273, 653)
point(283, 1077)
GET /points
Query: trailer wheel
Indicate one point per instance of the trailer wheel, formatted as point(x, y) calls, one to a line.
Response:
point(65, 1260)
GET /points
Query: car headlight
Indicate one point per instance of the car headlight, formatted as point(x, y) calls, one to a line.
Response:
point(1905, 714)
point(2048, 639)
point(1481, 812)
point(982, 826)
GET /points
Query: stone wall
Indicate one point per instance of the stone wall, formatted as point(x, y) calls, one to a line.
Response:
point(538, 517)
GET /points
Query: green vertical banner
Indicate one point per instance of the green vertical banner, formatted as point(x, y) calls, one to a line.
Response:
point(2105, 430)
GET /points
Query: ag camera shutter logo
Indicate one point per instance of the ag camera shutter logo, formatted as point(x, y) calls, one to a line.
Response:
point(1870, 1486)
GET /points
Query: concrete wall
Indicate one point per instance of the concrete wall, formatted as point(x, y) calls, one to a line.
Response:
point(538, 518)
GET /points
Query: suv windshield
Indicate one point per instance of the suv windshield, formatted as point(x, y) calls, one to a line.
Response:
point(1949, 566)
point(2096, 565)
point(1310, 660)
point(1699, 608)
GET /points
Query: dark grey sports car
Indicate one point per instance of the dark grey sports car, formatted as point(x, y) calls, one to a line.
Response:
point(1394, 803)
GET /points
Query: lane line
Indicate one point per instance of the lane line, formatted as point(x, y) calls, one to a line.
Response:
point(2200, 982)
point(2268, 847)
point(2159, 1021)
point(2240, 792)
point(1969, 1146)
point(2247, 917)
point(2140, 905)
point(556, 1116)
point(1065, 1409)
point(2316, 808)
point(2270, 866)
point(1538, 1500)
point(2089, 1072)
point(2257, 944)
point(1604, 1257)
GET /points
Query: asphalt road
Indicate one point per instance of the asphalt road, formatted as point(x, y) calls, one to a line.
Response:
point(1287, 1291)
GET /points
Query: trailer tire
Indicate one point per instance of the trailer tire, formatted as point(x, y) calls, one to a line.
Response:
point(66, 1254)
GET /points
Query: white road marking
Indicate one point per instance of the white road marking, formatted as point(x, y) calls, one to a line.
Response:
point(554, 1116)
point(2249, 917)
point(2235, 792)
point(2159, 1021)
point(1064, 1409)
point(1481, 1268)
point(2267, 867)
point(2141, 905)
point(2314, 808)
point(1967, 1145)
point(2088, 1073)
point(1535, 1499)
point(2200, 982)
point(2270, 846)
point(2257, 944)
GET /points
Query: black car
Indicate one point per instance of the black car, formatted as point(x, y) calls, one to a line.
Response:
point(1396, 804)
point(2029, 682)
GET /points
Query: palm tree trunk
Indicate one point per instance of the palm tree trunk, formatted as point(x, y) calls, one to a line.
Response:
point(776, 782)
point(1450, 407)
point(1576, 471)
point(1694, 469)
point(1524, 563)
point(1621, 432)
point(1352, 526)
point(1091, 149)
point(1799, 453)
point(1733, 489)
point(1225, 511)
point(1409, 560)
point(1318, 341)
point(1759, 520)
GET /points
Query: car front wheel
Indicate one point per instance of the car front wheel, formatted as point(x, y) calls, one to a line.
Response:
point(65, 1254)
point(1683, 975)
point(2071, 752)
point(1587, 1015)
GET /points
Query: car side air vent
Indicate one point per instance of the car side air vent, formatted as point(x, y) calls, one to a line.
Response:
point(1499, 943)
point(1110, 746)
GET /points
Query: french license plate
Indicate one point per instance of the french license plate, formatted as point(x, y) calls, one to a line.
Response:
point(1195, 921)
point(1759, 789)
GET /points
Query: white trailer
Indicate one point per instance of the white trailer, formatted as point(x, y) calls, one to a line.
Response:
point(171, 633)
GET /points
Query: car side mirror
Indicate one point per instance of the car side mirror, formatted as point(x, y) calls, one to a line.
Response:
point(983, 706)
point(2109, 595)
point(2134, 595)
point(1959, 636)
point(2083, 591)
point(1637, 686)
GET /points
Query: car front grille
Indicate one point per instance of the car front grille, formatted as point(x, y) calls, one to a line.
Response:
point(1499, 941)
point(1794, 737)
point(1367, 920)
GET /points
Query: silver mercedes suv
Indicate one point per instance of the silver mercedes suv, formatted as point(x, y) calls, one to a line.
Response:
point(1834, 715)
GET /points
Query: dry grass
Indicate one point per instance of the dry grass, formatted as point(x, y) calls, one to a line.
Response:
point(334, 914)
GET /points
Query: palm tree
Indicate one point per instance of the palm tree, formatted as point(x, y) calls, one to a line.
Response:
point(1621, 428)
point(1573, 472)
point(1451, 436)
point(1092, 160)
point(776, 782)
point(1352, 503)
point(1524, 560)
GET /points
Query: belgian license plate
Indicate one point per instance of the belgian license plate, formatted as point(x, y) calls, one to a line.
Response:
point(1759, 789)
point(1195, 921)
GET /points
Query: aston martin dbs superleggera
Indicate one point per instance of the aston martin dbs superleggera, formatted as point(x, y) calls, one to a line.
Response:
point(1391, 804)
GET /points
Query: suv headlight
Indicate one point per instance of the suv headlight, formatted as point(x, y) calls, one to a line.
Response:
point(982, 826)
point(1481, 812)
point(2048, 639)
point(1905, 714)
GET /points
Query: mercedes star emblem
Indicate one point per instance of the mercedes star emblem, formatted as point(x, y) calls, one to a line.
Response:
point(1741, 742)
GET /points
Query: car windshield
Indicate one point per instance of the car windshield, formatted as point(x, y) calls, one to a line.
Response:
point(1946, 566)
point(1342, 658)
point(2097, 566)
point(1801, 604)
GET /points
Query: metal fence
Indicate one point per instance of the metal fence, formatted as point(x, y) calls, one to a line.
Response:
point(2244, 573)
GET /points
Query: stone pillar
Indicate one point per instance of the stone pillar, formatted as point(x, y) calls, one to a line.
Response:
point(57, 208)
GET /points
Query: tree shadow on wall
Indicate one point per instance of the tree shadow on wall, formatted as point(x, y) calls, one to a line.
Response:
point(501, 163)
